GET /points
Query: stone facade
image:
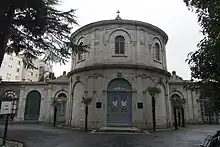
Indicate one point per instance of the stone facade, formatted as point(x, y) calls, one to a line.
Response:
point(192, 105)
point(140, 64)
point(137, 59)
point(48, 91)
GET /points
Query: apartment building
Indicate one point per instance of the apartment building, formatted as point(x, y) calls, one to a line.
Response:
point(12, 69)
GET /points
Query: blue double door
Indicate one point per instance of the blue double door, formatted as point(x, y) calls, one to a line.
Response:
point(119, 108)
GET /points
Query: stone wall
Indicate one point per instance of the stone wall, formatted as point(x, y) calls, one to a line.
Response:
point(47, 94)
point(192, 105)
point(94, 84)
point(139, 45)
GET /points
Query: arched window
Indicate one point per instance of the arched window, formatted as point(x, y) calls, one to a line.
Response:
point(119, 45)
point(157, 51)
point(62, 106)
point(80, 53)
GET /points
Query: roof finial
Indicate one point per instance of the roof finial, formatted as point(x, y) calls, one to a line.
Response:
point(118, 17)
point(118, 12)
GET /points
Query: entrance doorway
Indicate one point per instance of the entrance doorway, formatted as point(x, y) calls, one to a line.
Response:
point(178, 110)
point(32, 107)
point(119, 103)
point(61, 107)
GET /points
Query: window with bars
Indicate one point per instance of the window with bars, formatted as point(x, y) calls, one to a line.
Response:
point(119, 45)
point(157, 51)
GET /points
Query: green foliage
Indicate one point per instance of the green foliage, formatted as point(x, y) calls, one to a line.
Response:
point(212, 100)
point(205, 62)
point(87, 100)
point(207, 89)
point(35, 28)
point(208, 12)
point(192, 85)
point(153, 91)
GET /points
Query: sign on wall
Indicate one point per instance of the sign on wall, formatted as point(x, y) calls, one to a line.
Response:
point(6, 107)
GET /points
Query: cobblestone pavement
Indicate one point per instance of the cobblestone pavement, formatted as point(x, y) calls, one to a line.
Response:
point(36, 135)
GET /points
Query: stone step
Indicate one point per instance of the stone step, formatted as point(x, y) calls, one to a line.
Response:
point(122, 130)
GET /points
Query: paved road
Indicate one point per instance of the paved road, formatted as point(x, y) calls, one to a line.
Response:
point(34, 135)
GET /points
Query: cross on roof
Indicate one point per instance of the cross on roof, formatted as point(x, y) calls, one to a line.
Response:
point(118, 17)
point(118, 12)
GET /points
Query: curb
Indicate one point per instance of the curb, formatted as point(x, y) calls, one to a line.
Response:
point(72, 128)
point(120, 133)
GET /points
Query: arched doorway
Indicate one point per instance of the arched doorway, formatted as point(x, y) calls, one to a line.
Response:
point(119, 102)
point(61, 107)
point(178, 110)
point(32, 107)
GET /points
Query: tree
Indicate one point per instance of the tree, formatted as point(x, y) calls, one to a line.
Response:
point(153, 91)
point(35, 28)
point(86, 101)
point(204, 62)
point(206, 89)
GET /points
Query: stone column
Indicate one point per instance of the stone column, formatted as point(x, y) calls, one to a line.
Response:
point(49, 114)
point(168, 104)
point(134, 110)
point(105, 107)
point(21, 105)
point(43, 109)
point(69, 106)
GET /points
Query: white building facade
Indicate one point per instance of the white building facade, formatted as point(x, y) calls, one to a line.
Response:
point(124, 59)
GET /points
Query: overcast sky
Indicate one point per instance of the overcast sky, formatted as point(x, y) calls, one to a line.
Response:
point(172, 16)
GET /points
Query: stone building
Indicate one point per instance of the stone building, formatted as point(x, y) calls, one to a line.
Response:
point(124, 59)
point(33, 100)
